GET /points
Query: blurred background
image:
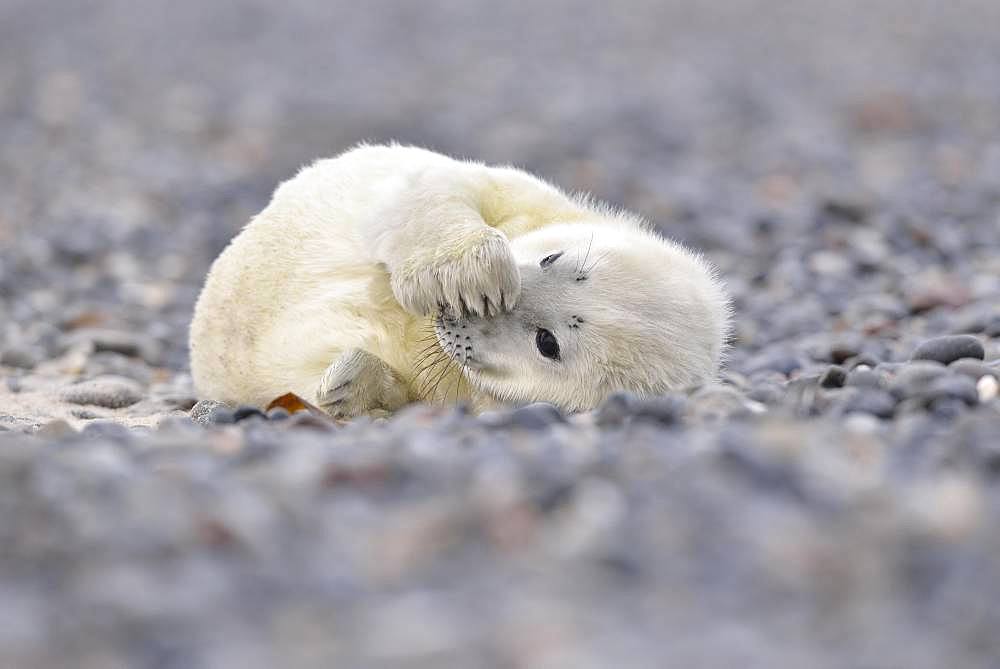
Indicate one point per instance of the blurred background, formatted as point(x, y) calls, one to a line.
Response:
point(137, 137)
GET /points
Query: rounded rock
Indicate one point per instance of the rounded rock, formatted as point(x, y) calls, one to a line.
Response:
point(106, 429)
point(914, 377)
point(666, 410)
point(949, 348)
point(110, 392)
point(878, 403)
point(865, 378)
point(973, 368)
point(615, 408)
point(536, 416)
point(952, 386)
point(211, 412)
point(21, 357)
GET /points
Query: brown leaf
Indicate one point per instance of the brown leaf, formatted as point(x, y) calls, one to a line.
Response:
point(292, 403)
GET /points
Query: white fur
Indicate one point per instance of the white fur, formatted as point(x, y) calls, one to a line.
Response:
point(356, 254)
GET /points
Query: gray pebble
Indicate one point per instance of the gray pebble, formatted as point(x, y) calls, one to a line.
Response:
point(973, 368)
point(914, 377)
point(21, 357)
point(209, 412)
point(132, 344)
point(106, 429)
point(766, 393)
point(278, 413)
point(867, 400)
point(947, 408)
point(117, 364)
point(615, 408)
point(55, 429)
point(246, 412)
point(666, 409)
point(111, 392)
point(715, 404)
point(178, 425)
point(536, 416)
point(952, 386)
point(950, 348)
point(772, 361)
point(866, 378)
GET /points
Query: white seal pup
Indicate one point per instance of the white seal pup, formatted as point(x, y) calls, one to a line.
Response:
point(393, 274)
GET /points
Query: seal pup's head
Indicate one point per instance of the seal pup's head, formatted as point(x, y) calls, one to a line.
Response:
point(603, 307)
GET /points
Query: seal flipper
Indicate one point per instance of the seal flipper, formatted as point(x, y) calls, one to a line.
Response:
point(360, 383)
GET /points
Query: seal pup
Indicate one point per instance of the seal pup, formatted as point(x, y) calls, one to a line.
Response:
point(391, 274)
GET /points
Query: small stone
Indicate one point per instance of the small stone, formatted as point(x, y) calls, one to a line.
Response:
point(536, 416)
point(111, 392)
point(666, 410)
point(949, 348)
point(868, 400)
point(181, 425)
point(953, 386)
point(971, 367)
point(713, 403)
point(106, 429)
point(914, 377)
point(766, 393)
point(833, 377)
point(55, 429)
point(772, 361)
point(863, 377)
point(843, 350)
point(109, 363)
point(131, 344)
point(615, 409)
point(245, 412)
point(278, 413)
point(947, 408)
point(210, 412)
point(863, 360)
point(21, 357)
point(987, 387)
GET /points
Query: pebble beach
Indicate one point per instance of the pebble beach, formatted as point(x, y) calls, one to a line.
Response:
point(833, 501)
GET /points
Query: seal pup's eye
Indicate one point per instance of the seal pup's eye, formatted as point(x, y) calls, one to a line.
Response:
point(549, 259)
point(547, 344)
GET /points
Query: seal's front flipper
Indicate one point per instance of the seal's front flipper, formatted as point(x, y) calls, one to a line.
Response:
point(360, 383)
